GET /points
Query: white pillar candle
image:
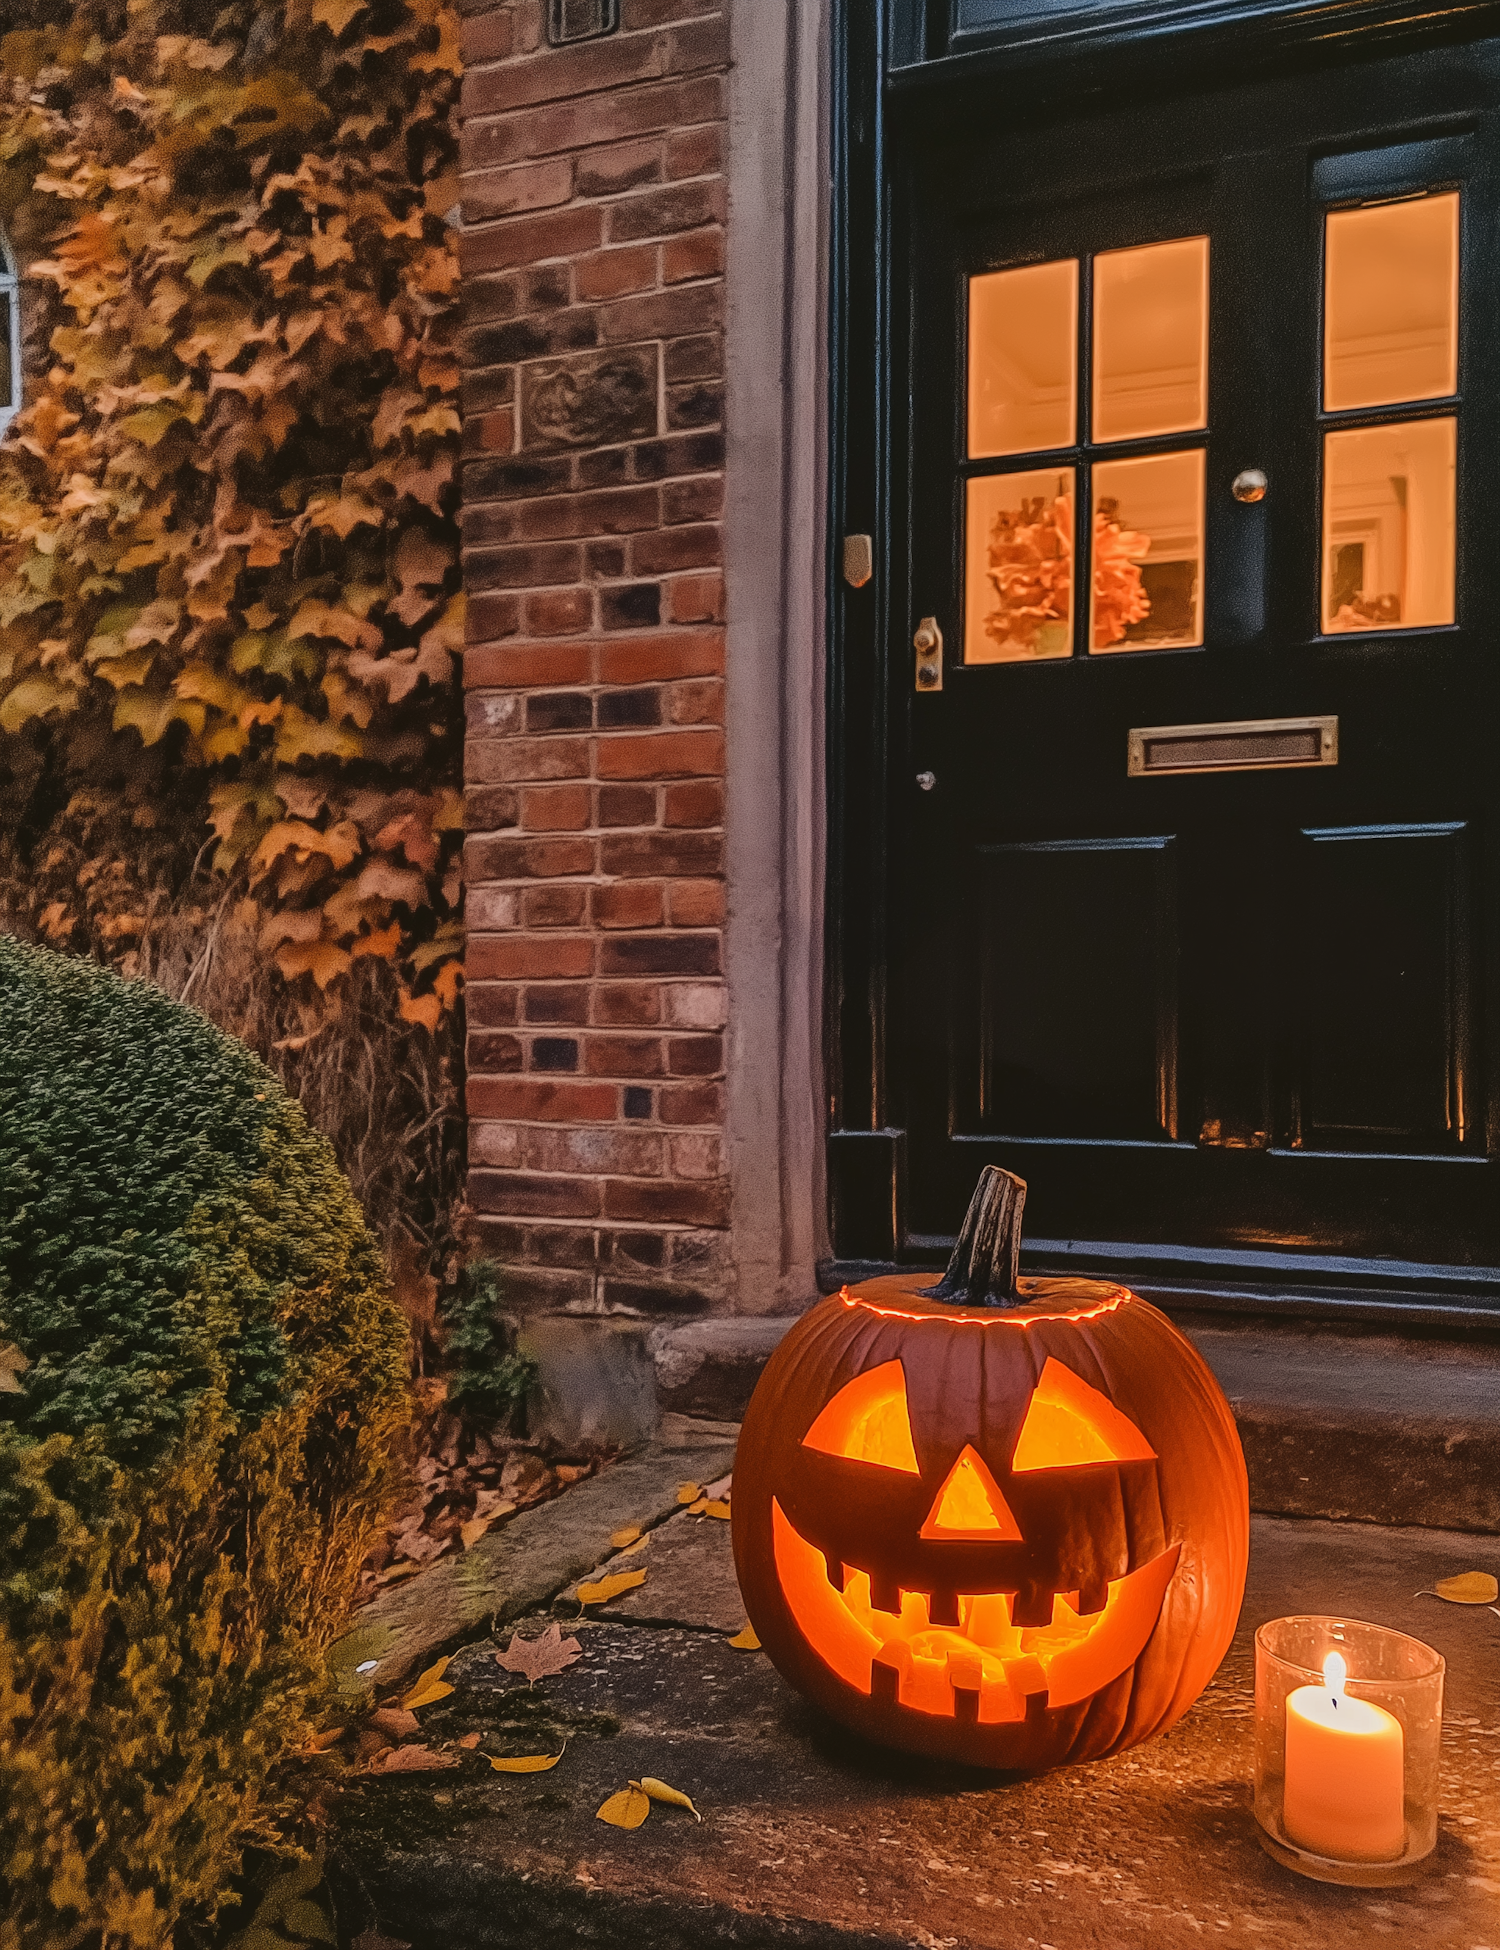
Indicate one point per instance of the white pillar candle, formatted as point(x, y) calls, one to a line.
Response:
point(1345, 1768)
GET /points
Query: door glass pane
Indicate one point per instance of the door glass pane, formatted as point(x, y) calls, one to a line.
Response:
point(1023, 359)
point(1392, 303)
point(1148, 552)
point(1388, 505)
point(1151, 339)
point(1018, 601)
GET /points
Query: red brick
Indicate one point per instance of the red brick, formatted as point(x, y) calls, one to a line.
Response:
point(488, 1004)
point(529, 663)
point(698, 357)
point(700, 702)
point(610, 274)
point(640, 1153)
point(587, 123)
point(629, 904)
point(667, 212)
point(560, 612)
point(534, 1196)
point(518, 859)
point(671, 314)
point(695, 1154)
point(529, 240)
point(490, 808)
point(659, 954)
point(488, 37)
point(647, 659)
point(497, 430)
point(703, 44)
point(491, 616)
point(554, 907)
point(695, 599)
point(623, 166)
point(698, 804)
point(558, 1100)
point(490, 193)
point(558, 1002)
point(695, 1056)
point(673, 548)
point(627, 805)
point(623, 1056)
point(627, 1005)
point(699, 499)
point(691, 1103)
point(505, 761)
point(697, 904)
point(693, 1204)
point(569, 73)
point(491, 1051)
point(693, 855)
point(695, 152)
point(508, 957)
point(555, 808)
point(699, 255)
point(659, 755)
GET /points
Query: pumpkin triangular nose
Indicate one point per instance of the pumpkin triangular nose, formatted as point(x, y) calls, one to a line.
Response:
point(971, 1504)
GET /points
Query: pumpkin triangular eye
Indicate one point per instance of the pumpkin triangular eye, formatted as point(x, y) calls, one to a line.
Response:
point(867, 1421)
point(971, 1504)
point(1070, 1423)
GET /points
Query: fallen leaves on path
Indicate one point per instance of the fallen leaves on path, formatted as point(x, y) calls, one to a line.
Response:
point(689, 1492)
point(523, 1763)
point(535, 1659)
point(319, 1743)
point(611, 1587)
point(410, 1760)
point(1467, 1588)
point(745, 1640)
point(659, 1791)
point(619, 1538)
point(629, 1807)
point(395, 1721)
point(705, 1507)
point(430, 1687)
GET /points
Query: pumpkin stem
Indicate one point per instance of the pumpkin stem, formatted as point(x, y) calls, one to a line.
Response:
point(982, 1271)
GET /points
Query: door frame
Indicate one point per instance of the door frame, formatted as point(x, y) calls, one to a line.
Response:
point(902, 74)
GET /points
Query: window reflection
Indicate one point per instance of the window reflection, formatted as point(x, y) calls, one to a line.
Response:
point(1148, 553)
point(1151, 339)
point(1023, 339)
point(1391, 330)
point(1388, 526)
point(1019, 567)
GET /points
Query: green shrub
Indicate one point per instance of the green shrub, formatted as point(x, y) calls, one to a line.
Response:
point(490, 1381)
point(192, 1458)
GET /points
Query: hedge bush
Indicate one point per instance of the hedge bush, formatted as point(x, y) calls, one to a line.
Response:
point(192, 1457)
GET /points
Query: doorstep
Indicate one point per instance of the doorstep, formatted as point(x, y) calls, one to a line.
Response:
point(815, 1840)
point(1371, 1427)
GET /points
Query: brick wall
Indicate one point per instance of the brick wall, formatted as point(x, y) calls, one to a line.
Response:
point(593, 244)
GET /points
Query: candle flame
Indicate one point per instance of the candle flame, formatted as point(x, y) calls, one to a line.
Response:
point(1335, 1672)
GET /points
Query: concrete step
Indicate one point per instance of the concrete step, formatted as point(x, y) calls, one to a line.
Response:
point(1370, 1427)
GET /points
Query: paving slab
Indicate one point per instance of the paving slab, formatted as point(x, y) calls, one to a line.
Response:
point(526, 1561)
point(814, 1839)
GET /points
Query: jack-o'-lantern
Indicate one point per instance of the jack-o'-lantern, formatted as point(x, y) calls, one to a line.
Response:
point(1001, 1520)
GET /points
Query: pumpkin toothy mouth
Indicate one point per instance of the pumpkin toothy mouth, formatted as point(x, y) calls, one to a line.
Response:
point(987, 1669)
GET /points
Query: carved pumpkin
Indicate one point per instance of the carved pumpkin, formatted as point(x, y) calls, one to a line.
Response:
point(999, 1520)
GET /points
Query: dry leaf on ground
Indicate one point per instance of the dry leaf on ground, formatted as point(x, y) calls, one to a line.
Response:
point(534, 1659)
point(705, 1507)
point(689, 1492)
point(627, 1809)
point(469, 1742)
point(629, 1550)
point(395, 1721)
point(611, 1587)
point(411, 1760)
point(620, 1538)
point(1467, 1588)
point(659, 1791)
point(319, 1743)
point(473, 1530)
point(522, 1763)
point(429, 1687)
point(745, 1640)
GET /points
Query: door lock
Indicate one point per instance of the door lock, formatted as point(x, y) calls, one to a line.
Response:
point(928, 643)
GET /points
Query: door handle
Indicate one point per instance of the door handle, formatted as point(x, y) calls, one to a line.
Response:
point(928, 644)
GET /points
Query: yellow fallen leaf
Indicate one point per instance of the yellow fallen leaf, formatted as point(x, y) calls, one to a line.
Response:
point(745, 1640)
point(620, 1538)
point(1468, 1588)
point(429, 1687)
point(524, 1763)
point(627, 1809)
point(697, 1509)
point(611, 1587)
point(714, 1509)
point(473, 1530)
point(689, 1492)
point(629, 1550)
point(659, 1791)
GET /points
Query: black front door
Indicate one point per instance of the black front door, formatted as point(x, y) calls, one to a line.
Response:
point(1194, 812)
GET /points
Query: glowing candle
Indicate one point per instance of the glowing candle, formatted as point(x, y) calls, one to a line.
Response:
point(1345, 1767)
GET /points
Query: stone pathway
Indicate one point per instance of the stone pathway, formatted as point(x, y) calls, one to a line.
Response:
point(814, 1840)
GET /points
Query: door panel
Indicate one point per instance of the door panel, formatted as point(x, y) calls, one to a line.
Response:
point(1271, 1032)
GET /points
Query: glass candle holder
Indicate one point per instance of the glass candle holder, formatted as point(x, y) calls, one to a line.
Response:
point(1348, 1721)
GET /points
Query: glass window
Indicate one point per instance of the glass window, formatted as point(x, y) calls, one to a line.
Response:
point(1023, 359)
point(1019, 567)
point(1151, 340)
point(1391, 303)
point(1388, 525)
point(1148, 552)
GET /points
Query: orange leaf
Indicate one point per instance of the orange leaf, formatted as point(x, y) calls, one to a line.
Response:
point(425, 1009)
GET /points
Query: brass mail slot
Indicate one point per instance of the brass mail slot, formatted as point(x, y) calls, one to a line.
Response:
point(1253, 744)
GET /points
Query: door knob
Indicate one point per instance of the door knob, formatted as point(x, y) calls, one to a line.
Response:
point(1249, 484)
point(928, 644)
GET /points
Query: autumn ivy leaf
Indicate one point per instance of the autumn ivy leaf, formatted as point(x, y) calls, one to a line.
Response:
point(431, 1686)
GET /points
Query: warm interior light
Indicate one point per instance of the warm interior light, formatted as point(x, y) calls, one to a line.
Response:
point(1069, 1423)
point(971, 1504)
point(1335, 1672)
point(867, 1420)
